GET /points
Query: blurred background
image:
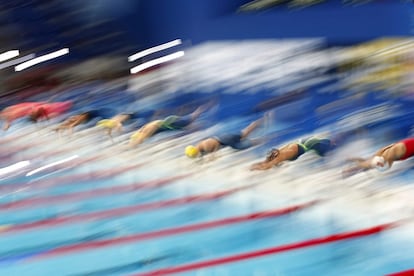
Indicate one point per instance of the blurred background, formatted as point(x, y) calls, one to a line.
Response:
point(84, 204)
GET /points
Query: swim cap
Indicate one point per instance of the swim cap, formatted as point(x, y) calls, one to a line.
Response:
point(191, 151)
point(107, 123)
point(379, 163)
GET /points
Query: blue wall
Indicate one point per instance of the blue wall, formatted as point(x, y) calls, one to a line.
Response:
point(157, 21)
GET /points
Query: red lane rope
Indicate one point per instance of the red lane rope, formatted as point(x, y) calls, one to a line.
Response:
point(174, 231)
point(30, 202)
point(123, 211)
point(270, 251)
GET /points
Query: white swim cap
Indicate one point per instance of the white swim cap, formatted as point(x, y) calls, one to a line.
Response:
point(379, 163)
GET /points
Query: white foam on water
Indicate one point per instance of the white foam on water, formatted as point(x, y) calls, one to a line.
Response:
point(363, 200)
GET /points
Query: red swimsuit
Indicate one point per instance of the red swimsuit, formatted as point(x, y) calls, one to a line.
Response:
point(55, 109)
point(409, 144)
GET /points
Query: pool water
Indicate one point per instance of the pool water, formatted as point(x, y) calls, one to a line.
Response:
point(67, 242)
point(84, 205)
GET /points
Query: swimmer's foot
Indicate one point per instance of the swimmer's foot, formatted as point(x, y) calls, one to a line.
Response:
point(203, 108)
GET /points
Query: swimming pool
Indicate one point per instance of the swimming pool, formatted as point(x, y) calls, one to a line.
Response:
point(105, 214)
point(83, 205)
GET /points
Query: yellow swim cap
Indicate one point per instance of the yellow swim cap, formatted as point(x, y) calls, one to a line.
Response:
point(108, 123)
point(191, 151)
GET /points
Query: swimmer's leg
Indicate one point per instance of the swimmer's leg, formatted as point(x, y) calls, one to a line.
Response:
point(201, 109)
point(266, 119)
point(250, 128)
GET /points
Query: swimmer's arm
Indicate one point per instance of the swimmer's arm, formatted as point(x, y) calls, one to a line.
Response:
point(109, 132)
point(261, 166)
point(110, 135)
point(213, 156)
point(119, 127)
point(360, 166)
point(211, 147)
point(362, 163)
point(6, 125)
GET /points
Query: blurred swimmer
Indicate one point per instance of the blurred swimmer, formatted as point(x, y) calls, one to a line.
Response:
point(35, 111)
point(14, 112)
point(82, 118)
point(292, 151)
point(383, 158)
point(49, 110)
point(236, 141)
point(172, 122)
point(116, 122)
point(72, 121)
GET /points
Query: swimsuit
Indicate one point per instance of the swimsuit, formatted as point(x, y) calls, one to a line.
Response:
point(175, 122)
point(234, 141)
point(409, 145)
point(20, 110)
point(319, 145)
point(55, 108)
point(100, 113)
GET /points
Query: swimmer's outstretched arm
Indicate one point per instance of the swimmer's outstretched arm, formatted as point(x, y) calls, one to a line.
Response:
point(261, 166)
point(6, 125)
point(109, 132)
point(213, 154)
point(277, 156)
point(119, 127)
point(267, 164)
point(7, 121)
point(361, 165)
point(390, 154)
point(364, 164)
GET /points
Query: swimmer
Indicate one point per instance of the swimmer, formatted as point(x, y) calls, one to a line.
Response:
point(116, 122)
point(49, 110)
point(236, 141)
point(72, 122)
point(34, 110)
point(82, 118)
point(14, 112)
point(383, 158)
point(169, 123)
point(292, 151)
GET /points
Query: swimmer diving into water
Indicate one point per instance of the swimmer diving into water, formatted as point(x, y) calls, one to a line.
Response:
point(82, 118)
point(292, 151)
point(383, 158)
point(117, 122)
point(169, 123)
point(35, 111)
point(236, 141)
